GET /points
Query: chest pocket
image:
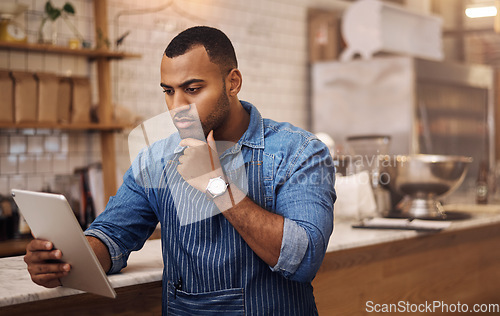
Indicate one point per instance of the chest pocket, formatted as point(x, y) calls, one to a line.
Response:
point(260, 171)
point(223, 302)
point(268, 179)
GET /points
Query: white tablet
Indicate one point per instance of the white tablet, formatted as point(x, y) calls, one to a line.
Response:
point(50, 217)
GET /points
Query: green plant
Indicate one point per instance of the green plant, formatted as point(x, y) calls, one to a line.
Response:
point(52, 14)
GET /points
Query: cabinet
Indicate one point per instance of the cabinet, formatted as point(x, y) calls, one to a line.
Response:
point(106, 126)
point(458, 266)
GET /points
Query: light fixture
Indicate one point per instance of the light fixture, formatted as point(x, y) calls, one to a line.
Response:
point(481, 12)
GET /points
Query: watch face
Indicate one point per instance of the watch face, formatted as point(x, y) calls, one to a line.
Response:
point(217, 186)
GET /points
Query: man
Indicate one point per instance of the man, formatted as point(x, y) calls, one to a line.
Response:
point(258, 252)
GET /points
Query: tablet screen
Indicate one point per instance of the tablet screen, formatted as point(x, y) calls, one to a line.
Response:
point(50, 217)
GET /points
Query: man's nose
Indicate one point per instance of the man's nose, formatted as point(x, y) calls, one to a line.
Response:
point(179, 102)
point(179, 109)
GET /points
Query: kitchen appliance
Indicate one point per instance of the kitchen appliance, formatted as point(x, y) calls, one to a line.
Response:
point(424, 179)
point(426, 107)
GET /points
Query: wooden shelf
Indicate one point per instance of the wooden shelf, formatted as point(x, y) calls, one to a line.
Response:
point(103, 58)
point(45, 48)
point(72, 126)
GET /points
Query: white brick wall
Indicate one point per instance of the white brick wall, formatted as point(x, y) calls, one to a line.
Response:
point(270, 41)
point(269, 37)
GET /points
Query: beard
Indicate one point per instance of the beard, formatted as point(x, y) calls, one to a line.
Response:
point(217, 118)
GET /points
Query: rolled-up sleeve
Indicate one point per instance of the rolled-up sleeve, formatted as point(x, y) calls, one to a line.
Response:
point(305, 196)
point(293, 248)
point(127, 221)
point(118, 259)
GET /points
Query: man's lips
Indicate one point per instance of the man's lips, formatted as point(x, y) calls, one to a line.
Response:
point(183, 123)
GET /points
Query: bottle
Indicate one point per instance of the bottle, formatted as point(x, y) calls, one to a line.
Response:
point(482, 184)
point(7, 218)
point(3, 221)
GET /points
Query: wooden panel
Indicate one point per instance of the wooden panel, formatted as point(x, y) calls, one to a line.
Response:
point(144, 299)
point(105, 110)
point(449, 267)
point(108, 164)
point(496, 108)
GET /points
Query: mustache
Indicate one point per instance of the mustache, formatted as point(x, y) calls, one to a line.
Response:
point(184, 113)
point(184, 117)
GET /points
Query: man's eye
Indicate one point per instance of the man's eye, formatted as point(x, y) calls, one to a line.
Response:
point(168, 91)
point(192, 90)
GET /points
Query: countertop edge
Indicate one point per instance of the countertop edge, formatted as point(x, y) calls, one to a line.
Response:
point(144, 266)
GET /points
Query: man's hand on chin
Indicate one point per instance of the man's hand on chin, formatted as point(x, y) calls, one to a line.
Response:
point(199, 162)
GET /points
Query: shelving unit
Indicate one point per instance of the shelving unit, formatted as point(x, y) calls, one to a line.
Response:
point(45, 48)
point(106, 127)
point(67, 126)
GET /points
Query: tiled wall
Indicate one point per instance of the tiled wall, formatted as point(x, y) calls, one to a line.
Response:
point(31, 158)
point(269, 37)
point(270, 41)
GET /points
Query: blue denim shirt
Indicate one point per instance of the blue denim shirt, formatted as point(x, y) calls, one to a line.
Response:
point(207, 265)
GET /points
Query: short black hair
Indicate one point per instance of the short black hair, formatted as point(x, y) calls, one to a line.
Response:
point(219, 48)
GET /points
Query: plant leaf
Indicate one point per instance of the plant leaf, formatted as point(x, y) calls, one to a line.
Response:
point(68, 7)
point(54, 14)
point(48, 7)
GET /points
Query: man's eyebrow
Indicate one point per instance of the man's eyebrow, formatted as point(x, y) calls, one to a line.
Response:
point(184, 84)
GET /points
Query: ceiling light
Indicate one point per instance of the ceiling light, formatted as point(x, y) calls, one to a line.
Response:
point(481, 12)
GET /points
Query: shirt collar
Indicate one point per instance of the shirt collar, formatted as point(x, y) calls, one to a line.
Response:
point(254, 135)
point(176, 140)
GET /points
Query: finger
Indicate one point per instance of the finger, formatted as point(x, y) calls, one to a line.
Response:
point(49, 280)
point(184, 172)
point(189, 150)
point(41, 256)
point(191, 142)
point(180, 170)
point(211, 141)
point(48, 268)
point(39, 244)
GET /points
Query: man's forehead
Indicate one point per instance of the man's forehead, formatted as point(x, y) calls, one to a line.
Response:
point(194, 53)
point(193, 63)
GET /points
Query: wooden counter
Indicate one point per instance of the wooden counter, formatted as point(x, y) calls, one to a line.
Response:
point(140, 299)
point(138, 289)
point(455, 266)
point(460, 264)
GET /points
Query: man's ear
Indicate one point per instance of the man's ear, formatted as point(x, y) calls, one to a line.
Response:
point(234, 81)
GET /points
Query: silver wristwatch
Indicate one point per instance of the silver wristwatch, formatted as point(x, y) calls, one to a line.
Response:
point(216, 187)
